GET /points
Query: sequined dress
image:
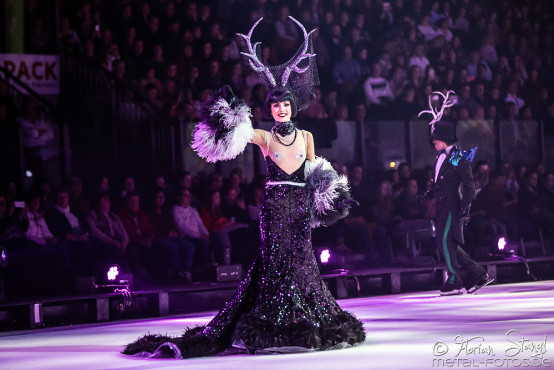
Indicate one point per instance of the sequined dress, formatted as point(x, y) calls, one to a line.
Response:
point(282, 304)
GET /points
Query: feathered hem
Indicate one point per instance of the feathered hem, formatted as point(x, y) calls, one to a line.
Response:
point(193, 343)
point(254, 334)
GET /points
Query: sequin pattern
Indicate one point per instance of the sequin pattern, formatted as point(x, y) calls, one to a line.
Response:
point(282, 300)
point(282, 303)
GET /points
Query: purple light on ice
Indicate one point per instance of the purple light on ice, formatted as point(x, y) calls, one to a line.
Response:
point(325, 256)
point(501, 244)
point(113, 272)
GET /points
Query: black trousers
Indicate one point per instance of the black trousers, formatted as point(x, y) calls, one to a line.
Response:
point(459, 264)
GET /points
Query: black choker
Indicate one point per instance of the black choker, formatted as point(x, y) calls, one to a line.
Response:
point(277, 139)
point(283, 128)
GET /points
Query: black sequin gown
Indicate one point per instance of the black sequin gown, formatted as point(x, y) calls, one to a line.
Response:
point(282, 304)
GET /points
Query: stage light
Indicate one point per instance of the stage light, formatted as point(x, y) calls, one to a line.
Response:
point(113, 272)
point(433, 228)
point(501, 243)
point(28, 173)
point(324, 255)
point(3, 257)
point(392, 164)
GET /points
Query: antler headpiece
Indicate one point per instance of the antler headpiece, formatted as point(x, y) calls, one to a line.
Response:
point(299, 74)
point(437, 113)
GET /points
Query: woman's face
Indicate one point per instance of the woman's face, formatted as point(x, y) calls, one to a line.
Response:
point(384, 190)
point(160, 199)
point(105, 204)
point(216, 199)
point(34, 204)
point(281, 111)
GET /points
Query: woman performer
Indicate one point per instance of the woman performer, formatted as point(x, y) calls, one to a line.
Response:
point(282, 304)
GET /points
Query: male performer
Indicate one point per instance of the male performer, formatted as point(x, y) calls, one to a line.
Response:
point(452, 170)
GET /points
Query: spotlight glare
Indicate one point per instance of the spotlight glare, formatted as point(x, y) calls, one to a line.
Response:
point(325, 256)
point(28, 173)
point(392, 164)
point(113, 272)
point(3, 257)
point(501, 243)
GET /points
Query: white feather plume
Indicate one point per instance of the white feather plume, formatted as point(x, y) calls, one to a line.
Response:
point(326, 183)
point(231, 143)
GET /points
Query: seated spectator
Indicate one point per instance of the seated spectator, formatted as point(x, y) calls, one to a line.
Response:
point(65, 226)
point(254, 203)
point(461, 23)
point(235, 181)
point(78, 203)
point(482, 231)
point(404, 175)
point(150, 79)
point(67, 35)
point(178, 252)
point(38, 231)
point(346, 74)
point(426, 29)
point(185, 181)
point(127, 188)
point(11, 226)
point(481, 173)
point(406, 106)
point(418, 58)
point(111, 239)
point(41, 246)
point(233, 207)
point(219, 228)
point(376, 88)
point(190, 226)
point(43, 188)
point(316, 109)
point(532, 208)
point(286, 32)
point(354, 231)
point(465, 99)
point(382, 213)
point(397, 81)
point(408, 204)
point(512, 97)
point(140, 232)
point(443, 30)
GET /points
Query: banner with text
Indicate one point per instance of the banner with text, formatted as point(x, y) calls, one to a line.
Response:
point(40, 72)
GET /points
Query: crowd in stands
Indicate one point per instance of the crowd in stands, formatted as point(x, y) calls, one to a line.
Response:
point(382, 54)
point(376, 59)
point(175, 229)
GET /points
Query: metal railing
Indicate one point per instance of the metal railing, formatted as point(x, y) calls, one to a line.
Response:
point(113, 131)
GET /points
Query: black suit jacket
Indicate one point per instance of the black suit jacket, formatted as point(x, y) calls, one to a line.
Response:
point(454, 190)
point(57, 223)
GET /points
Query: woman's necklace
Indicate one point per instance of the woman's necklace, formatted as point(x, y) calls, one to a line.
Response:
point(277, 139)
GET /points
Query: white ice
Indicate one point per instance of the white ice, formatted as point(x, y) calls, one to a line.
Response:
point(502, 326)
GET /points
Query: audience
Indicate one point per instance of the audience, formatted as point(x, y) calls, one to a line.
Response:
point(190, 226)
point(372, 58)
point(176, 250)
point(111, 239)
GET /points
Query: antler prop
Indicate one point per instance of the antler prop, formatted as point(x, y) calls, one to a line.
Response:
point(255, 63)
point(437, 114)
point(303, 55)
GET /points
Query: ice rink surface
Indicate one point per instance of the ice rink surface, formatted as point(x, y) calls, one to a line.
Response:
point(500, 327)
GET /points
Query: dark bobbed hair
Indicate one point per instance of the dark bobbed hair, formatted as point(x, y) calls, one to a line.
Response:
point(276, 95)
